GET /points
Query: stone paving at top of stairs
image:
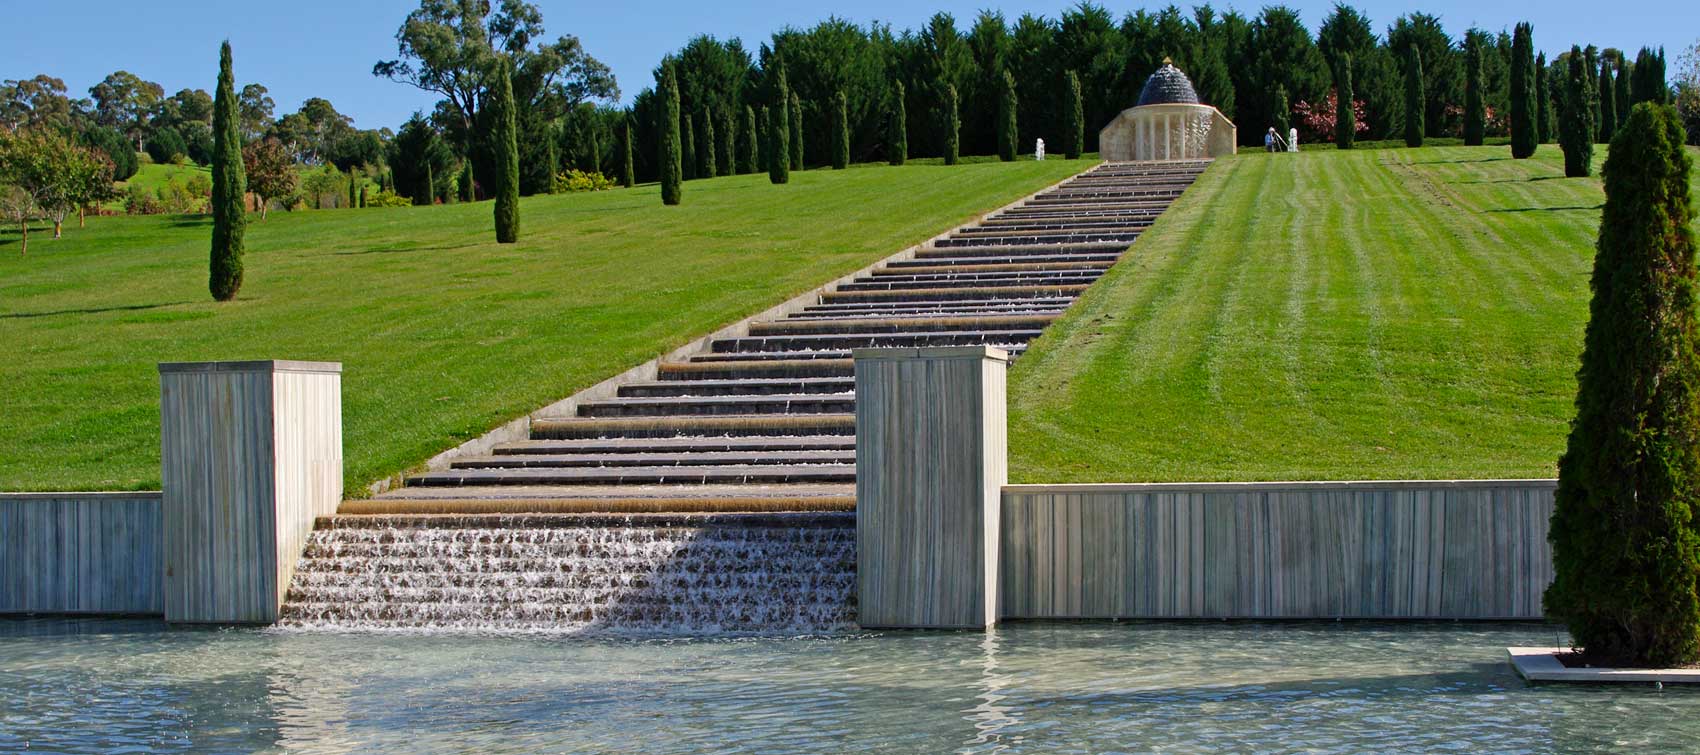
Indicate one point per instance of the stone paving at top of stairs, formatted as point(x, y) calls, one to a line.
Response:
point(765, 421)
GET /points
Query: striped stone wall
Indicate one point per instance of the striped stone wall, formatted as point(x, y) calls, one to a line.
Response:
point(80, 553)
point(1296, 550)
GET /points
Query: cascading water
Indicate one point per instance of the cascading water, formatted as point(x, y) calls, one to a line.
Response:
point(685, 574)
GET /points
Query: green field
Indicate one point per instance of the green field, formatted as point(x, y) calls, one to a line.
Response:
point(443, 334)
point(1329, 315)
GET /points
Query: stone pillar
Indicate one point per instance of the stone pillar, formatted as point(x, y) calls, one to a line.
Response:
point(251, 454)
point(930, 469)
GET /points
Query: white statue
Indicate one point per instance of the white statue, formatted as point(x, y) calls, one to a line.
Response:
point(1039, 149)
point(1292, 140)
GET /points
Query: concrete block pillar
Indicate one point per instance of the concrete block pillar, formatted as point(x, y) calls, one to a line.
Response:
point(251, 454)
point(931, 464)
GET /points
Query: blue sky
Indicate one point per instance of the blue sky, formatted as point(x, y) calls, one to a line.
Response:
point(306, 48)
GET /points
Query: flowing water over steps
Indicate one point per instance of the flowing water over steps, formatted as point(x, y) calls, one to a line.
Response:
point(627, 574)
point(759, 422)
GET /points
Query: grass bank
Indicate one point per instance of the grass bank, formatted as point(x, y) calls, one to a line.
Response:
point(1327, 315)
point(442, 333)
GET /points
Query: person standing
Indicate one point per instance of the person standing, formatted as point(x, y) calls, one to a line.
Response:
point(1269, 140)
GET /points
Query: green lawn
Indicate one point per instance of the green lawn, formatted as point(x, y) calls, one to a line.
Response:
point(443, 334)
point(1328, 315)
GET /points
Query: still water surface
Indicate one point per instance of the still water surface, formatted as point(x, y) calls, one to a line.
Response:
point(105, 686)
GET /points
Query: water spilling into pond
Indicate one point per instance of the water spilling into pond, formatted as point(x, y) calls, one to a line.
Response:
point(96, 687)
point(786, 574)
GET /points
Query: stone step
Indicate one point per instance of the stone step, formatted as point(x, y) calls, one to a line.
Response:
point(899, 325)
point(845, 341)
point(548, 506)
point(1079, 237)
point(1070, 215)
point(731, 473)
point(1015, 348)
point(972, 280)
point(949, 294)
point(996, 267)
point(1021, 250)
point(929, 312)
point(671, 406)
point(737, 369)
point(707, 458)
point(1047, 227)
point(735, 611)
point(748, 387)
point(599, 446)
point(1108, 257)
point(713, 425)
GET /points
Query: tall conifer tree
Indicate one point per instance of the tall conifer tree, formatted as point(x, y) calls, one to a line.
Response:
point(705, 147)
point(897, 136)
point(504, 148)
point(1608, 103)
point(1006, 118)
point(671, 157)
point(628, 171)
point(1576, 117)
point(950, 122)
point(749, 155)
point(1413, 97)
point(840, 131)
point(1475, 106)
point(1525, 126)
point(1345, 117)
point(779, 131)
point(688, 145)
point(1543, 101)
point(229, 186)
point(1625, 538)
point(1074, 117)
point(795, 119)
point(725, 157)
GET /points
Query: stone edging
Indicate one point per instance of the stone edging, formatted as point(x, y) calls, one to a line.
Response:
point(1542, 665)
point(101, 495)
point(1276, 487)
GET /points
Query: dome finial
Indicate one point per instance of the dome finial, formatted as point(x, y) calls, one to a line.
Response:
point(1168, 61)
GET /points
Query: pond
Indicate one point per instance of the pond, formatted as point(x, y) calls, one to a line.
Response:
point(137, 687)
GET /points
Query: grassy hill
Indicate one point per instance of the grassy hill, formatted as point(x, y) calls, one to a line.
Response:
point(1328, 315)
point(442, 333)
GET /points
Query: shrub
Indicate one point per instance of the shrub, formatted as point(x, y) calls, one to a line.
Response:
point(117, 148)
point(574, 180)
point(166, 147)
point(1626, 542)
point(387, 198)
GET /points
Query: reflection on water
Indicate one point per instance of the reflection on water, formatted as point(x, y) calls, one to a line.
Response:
point(102, 686)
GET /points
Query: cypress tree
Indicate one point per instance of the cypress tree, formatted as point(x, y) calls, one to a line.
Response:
point(1345, 117)
point(1576, 118)
point(688, 146)
point(1625, 540)
point(1524, 126)
point(505, 148)
point(1608, 103)
point(705, 148)
point(840, 131)
point(1475, 108)
point(467, 190)
point(592, 149)
point(897, 139)
point(1647, 78)
point(1591, 56)
point(353, 188)
point(1620, 90)
point(1543, 101)
point(749, 156)
point(628, 171)
point(795, 119)
point(726, 156)
point(764, 139)
point(671, 159)
point(1074, 118)
point(779, 131)
point(1006, 119)
point(422, 188)
point(1413, 97)
point(229, 186)
point(362, 196)
point(1282, 113)
point(950, 121)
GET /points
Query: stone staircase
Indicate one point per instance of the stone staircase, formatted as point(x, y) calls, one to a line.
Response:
point(621, 515)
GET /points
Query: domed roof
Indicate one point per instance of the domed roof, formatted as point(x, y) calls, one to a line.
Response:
point(1168, 86)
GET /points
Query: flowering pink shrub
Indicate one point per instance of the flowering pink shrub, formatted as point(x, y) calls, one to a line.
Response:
point(1317, 120)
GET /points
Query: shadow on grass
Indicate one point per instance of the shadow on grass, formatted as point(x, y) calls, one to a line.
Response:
point(1461, 161)
point(91, 310)
point(1510, 180)
point(1549, 209)
point(403, 249)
